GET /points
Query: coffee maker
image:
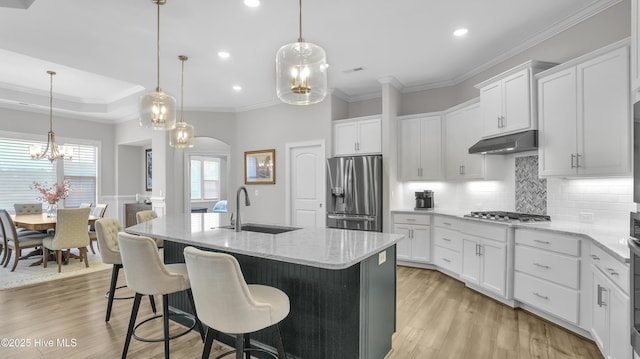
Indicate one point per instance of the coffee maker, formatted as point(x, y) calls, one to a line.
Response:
point(424, 200)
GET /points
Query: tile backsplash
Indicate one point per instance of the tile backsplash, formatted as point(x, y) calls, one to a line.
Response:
point(531, 191)
point(600, 201)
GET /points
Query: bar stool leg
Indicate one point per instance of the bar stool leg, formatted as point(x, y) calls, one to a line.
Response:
point(165, 319)
point(208, 342)
point(153, 304)
point(112, 289)
point(193, 307)
point(278, 339)
point(239, 346)
point(132, 323)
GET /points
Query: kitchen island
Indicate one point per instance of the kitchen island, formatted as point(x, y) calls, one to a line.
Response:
point(341, 283)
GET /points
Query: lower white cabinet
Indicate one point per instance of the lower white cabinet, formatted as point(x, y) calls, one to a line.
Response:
point(447, 244)
point(416, 244)
point(484, 263)
point(547, 273)
point(610, 324)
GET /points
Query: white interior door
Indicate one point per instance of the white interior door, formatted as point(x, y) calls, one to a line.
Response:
point(306, 184)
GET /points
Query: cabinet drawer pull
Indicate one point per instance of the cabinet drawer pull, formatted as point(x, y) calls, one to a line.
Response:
point(446, 239)
point(541, 241)
point(411, 219)
point(541, 265)
point(540, 296)
point(595, 257)
point(446, 223)
point(446, 260)
point(612, 272)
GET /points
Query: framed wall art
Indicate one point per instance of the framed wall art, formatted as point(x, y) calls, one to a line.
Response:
point(147, 169)
point(260, 167)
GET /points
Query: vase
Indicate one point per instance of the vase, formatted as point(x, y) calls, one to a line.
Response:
point(52, 210)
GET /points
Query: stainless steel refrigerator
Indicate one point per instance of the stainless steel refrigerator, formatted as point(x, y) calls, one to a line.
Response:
point(354, 193)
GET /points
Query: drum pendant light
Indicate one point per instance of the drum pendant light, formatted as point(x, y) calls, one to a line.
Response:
point(157, 109)
point(301, 72)
point(182, 135)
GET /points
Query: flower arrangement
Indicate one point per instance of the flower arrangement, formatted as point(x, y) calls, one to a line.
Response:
point(51, 194)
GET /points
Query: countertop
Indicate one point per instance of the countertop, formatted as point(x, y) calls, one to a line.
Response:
point(317, 247)
point(611, 240)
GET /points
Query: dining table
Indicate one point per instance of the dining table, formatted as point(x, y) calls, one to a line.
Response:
point(42, 222)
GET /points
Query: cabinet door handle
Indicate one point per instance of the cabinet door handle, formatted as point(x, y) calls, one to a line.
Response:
point(595, 257)
point(499, 122)
point(578, 160)
point(601, 302)
point(541, 265)
point(540, 296)
point(612, 272)
point(541, 241)
point(460, 170)
point(572, 159)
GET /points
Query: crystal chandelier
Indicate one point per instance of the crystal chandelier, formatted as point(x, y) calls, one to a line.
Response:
point(158, 109)
point(182, 135)
point(52, 151)
point(301, 72)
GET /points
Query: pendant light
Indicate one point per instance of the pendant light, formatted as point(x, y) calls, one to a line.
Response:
point(158, 109)
point(52, 151)
point(301, 72)
point(182, 135)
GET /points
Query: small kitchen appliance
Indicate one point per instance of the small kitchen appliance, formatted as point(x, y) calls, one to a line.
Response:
point(424, 200)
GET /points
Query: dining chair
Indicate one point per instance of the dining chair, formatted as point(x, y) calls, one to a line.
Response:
point(107, 230)
point(14, 243)
point(226, 303)
point(27, 208)
point(71, 232)
point(148, 215)
point(97, 211)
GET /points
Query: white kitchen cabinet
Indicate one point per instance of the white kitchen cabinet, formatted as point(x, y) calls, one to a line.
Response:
point(635, 45)
point(447, 244)
point(462, 127)
point(547, 273)
point(507, 101)
point(357, 136)
point(610, 326)
point(420, 148)
point(584, 116)
point(484, 261)
point(416, 244)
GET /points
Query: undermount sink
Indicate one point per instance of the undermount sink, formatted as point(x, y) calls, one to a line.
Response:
point(263, 228)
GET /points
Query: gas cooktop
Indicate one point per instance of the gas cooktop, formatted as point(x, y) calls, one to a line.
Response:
point(509, 217)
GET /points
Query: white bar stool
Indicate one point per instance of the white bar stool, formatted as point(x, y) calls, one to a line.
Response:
point(107, 235)
point(227, 304)
point(147, 275)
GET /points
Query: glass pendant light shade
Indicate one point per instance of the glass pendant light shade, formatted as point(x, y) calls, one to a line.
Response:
point(301, 73)
point(182, 136)
point(158, 111)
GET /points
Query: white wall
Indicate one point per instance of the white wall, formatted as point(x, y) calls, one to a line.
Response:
point(268, 128)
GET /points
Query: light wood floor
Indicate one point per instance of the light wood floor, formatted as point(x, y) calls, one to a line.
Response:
point(437, 318)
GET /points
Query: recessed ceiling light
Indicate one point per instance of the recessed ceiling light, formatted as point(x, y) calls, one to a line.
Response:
point(252, 3)
point(237, 88)
point(461, 32)
point(223, 55)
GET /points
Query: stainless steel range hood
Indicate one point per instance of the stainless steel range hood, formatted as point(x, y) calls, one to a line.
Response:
point(502, 145)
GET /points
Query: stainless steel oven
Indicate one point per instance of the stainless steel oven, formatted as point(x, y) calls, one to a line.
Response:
point(634, 285)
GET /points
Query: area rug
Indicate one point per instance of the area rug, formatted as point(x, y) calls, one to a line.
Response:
point(26, 275)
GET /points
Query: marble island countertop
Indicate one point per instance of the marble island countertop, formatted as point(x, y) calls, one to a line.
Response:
point(317, 247)
point(613, 240)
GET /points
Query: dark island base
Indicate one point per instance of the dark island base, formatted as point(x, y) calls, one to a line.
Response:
point(347, 313)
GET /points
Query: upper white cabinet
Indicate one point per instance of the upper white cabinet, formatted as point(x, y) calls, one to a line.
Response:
point(635, 45)
point(462, 126)
point(420, 147)
point(507, 101)
point(357, 136)
point(584, 115)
